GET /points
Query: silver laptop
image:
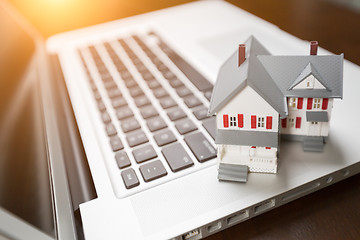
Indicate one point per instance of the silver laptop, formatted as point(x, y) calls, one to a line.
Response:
point(129, 146)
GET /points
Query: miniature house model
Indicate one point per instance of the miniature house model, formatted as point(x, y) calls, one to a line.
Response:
point(258, 96)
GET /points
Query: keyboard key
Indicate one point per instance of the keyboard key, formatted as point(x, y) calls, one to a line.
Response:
point(208, 94)
point(122, 159)
point(141, 101)
point(153, 170)
point(175, 83)
point(107, 79)
point(97, 95)
point(130, 83)
point(104, 73)
point(109, 84)
point(144, 153)
point(148, 112)
point(114, 92)
point(105, 117)
point(143, 71)
point(136, 138)
point(123, 112)
point(176, 114)
point(156, 123)
point(162, 67)
point(153, 84)
point(129, 124)
point(137, 62)
point(200, 146)
point(118, 102)
point(210, 126)
point(177, 157)
point(147, 75)
point(184, 126)
point(130, 179)
point(192, 101)
point(160, 92)
point(101, 106)
point(92, 85)
point(135, 91)
point(183, 91)
point(125, 75)
point(164, 137)
point(110, 129)
point(201, 113)
point(169, 75)
point(167, 102)
point(116, 143)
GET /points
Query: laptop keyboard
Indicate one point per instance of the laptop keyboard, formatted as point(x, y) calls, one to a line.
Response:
point(154, 111)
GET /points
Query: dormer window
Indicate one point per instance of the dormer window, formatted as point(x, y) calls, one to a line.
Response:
point(309, 78)
point(310, 82)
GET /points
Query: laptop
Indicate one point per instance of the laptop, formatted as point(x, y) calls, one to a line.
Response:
point(113, 110)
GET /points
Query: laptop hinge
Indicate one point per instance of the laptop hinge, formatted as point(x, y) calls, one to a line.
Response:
point(80, 181)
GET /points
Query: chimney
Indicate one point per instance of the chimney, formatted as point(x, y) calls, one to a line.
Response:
point(313, 47)
point(241, 54)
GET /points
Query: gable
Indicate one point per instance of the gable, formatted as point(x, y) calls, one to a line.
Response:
point(232, 78)
point(309, 78)
point(247, 102)
point(310, 82)
point(289, 71)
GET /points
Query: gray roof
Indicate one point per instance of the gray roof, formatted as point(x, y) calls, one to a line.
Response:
point(273, 77)
point(328, 69)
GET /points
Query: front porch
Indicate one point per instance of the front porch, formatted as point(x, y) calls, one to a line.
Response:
point(258, 159)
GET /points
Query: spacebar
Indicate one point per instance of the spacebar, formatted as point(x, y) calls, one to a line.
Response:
point(191, 73)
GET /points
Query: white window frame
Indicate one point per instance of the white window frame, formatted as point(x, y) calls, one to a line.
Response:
point(233, 121)
point(317, 103)
point(291, 122)
point(293, 102)
point(310, 82)
point(261, 122)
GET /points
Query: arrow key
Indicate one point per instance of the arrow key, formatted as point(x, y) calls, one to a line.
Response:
point(152, 170)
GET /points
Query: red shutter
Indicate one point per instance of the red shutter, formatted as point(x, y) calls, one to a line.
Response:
point(253, 121)
point(298, 122)
point(283, 122)
point(241, 120)
point(226, 120)
point(268, 122)
point(325, 103)
point(309, 103)
point(300, 103)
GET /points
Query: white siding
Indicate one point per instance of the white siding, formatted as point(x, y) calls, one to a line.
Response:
point(306, 128)
point(310, 83)
point(248, 102)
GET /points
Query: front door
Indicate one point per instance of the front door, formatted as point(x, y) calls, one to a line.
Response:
point(314, 128)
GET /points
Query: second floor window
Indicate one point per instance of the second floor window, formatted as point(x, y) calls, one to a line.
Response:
point(317, 103)
point(261, 122)
point(233, 121)
point(292, 102)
